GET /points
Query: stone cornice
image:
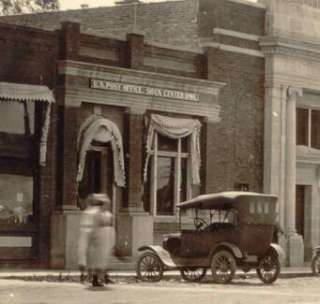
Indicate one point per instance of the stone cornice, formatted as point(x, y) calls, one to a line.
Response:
point(77, 68)
point(271, 45)
point(77, 93)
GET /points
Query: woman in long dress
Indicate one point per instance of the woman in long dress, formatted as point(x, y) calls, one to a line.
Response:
point(97, 237)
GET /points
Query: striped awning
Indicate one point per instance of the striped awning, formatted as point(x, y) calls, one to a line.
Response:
point(25, 92)
point(20, 92)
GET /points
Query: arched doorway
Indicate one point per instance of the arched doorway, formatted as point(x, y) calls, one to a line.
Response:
point(101, 161)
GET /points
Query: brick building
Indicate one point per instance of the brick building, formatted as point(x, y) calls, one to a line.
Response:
point(95, 91)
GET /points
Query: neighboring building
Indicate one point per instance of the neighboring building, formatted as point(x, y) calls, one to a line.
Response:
point(111, 80)
point(292, 123)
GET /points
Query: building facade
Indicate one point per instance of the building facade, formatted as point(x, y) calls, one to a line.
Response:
point(152, 104)
point(291, 47)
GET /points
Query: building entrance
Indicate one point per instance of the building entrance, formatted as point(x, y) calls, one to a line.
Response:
point(98, 172)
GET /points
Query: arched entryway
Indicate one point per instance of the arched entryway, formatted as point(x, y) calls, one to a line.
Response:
point(101, 160)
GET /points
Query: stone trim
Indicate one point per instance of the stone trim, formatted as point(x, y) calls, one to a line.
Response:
point(76, 68)
point(207, 107)
point(234, 49)
point(254, 4)
point(222, 31)
point(290, 47)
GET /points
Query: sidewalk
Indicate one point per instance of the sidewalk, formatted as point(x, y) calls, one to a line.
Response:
point(65, 275)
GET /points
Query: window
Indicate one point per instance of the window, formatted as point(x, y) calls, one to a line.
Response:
point(18, 118)
point(308, 127)
point(170, 174)
point(16, 200)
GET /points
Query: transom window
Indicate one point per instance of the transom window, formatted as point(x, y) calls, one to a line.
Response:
point(170, 174)
point(308, 127)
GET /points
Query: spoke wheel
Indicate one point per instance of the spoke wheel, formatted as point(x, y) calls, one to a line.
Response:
point(149, 267)
point(315, 264)
point(269, 268)
point(193, 274)
point(223, 267)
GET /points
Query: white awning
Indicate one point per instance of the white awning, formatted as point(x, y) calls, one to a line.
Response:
point(10, 91)
point(25, 92)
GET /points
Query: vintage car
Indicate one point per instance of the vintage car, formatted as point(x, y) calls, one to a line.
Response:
point(231, 229)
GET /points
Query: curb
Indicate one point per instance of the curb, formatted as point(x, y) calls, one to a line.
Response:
point(64, 276)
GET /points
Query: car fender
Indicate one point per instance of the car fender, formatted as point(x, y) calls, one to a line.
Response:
point(278, 250)
point(231, 247)
point(163, 254)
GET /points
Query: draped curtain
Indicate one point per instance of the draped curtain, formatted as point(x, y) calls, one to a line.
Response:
point(176, 128)
point(101, 130)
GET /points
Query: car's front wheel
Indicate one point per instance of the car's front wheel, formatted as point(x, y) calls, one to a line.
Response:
point(223, 267)
point(149, 267)
point(193, 274)
point(268, 268)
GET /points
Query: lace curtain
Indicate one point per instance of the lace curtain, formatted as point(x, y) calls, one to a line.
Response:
point(176, 128)
point(102, 130)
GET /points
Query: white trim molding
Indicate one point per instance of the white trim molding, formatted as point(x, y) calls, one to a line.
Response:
point(234, 49)
point(222, 31)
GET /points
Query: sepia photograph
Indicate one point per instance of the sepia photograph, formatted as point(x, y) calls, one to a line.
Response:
point(159, 151)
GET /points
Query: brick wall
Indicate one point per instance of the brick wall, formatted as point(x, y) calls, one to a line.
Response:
point(231, 16)
point(235, 145)
point(172, 22)
point(28, 56)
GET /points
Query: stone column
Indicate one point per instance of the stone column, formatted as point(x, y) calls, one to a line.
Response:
point(274, 145)
point(135, 226)
point(294, 241)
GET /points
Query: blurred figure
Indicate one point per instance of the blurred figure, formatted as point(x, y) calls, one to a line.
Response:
point(97, 238)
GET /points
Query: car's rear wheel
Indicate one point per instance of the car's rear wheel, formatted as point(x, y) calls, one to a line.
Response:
point(315, 264)
point(149, 267)
point(193, 274)
point(268, 268)
point(223, 267)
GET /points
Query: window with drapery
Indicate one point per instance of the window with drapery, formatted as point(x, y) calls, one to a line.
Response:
point(308, 127)
point(173, 162)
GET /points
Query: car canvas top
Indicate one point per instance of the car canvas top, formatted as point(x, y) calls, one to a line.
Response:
point(223, 200)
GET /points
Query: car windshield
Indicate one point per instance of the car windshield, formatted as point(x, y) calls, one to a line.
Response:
point(205, 219)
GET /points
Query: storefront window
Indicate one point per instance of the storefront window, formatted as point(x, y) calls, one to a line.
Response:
point(16, 199)
point(17, 118)
point(308, 128)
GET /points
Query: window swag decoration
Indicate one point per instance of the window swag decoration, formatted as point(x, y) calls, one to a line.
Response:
point(101, 130)
point(176, 128)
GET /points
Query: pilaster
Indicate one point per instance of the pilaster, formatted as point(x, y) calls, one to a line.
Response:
point(295, 244)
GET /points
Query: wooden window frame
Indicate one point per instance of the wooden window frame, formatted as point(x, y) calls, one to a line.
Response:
point(178, 156)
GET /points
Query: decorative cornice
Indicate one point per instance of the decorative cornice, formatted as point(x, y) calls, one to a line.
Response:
point(77, 68)
point(271, 45)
